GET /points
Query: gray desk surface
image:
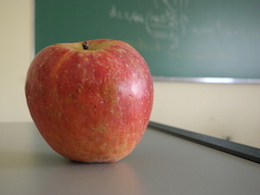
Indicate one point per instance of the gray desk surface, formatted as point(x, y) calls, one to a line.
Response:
point(160, 164)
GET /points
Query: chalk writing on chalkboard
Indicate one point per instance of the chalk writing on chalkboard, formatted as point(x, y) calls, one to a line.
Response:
point(178, 38)
point(167, 21)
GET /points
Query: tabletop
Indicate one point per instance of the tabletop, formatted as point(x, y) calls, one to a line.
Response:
point(160, 164)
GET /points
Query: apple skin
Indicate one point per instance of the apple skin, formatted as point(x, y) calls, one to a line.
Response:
point(91, 100)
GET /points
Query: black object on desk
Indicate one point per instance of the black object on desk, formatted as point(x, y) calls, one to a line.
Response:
point(243, 151)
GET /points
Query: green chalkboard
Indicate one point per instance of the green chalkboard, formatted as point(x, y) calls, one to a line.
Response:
point(178, 38)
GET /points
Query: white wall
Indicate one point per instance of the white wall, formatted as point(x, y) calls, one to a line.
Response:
point(16, 41)
point(220, 110)
point(214, 109)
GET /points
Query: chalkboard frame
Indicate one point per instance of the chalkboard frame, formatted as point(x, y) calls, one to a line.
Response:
point(219, 80)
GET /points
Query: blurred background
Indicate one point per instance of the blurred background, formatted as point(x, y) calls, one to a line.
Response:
point(227, 111)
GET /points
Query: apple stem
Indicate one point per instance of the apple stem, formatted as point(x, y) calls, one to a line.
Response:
point(85, 45)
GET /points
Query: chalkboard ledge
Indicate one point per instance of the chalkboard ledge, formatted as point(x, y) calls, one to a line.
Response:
point(216, 80)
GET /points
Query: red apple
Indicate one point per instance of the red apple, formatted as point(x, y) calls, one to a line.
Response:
point(91, 101)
